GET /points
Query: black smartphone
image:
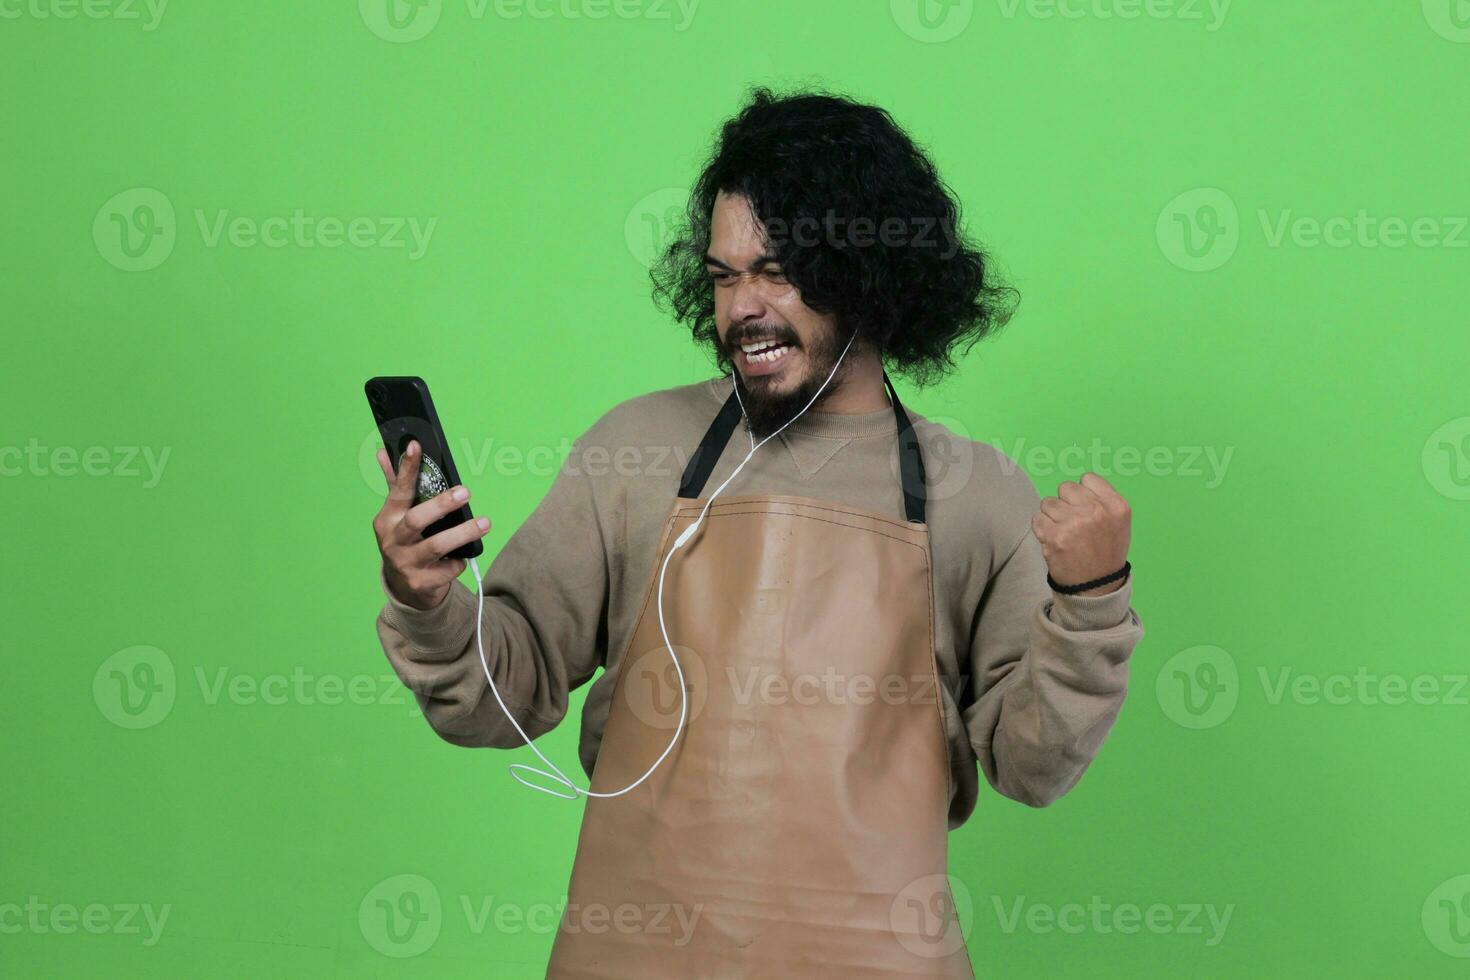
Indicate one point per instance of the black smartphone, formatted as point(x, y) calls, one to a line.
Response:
point(404, 412)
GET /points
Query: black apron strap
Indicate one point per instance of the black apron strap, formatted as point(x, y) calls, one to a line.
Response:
point(910, 460)
point(702, 463)
point(717, 437)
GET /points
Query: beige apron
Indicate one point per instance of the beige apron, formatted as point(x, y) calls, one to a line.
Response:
point(799, 826)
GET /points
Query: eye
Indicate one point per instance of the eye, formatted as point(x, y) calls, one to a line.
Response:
point(774, 274)
point(719, 276)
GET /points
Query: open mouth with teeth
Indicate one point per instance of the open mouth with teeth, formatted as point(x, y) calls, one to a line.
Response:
point(766, 356)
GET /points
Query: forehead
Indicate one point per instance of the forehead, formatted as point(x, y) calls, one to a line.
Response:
point(736, 237)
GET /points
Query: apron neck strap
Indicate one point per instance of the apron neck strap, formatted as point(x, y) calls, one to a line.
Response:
point(717, 437)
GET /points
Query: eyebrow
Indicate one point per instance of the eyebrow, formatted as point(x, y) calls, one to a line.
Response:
point(760, 260)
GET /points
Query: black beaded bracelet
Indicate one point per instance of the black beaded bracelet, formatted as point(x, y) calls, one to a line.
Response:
point(1084, 586)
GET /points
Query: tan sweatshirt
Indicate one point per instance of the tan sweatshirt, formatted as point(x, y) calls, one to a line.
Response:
point(1032, 680)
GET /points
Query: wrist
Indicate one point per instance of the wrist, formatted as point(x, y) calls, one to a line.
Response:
point(417, 601)
point(1101, 585)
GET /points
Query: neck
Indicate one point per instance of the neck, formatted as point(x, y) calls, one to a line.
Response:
point(860, 389)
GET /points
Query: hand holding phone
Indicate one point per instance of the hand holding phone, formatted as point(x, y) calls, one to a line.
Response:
point(425, 530)
point(419, 570)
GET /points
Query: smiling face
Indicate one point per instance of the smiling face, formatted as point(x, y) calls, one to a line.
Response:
point(783, 349)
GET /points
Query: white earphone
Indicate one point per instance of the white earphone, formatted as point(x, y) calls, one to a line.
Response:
point(555, 774)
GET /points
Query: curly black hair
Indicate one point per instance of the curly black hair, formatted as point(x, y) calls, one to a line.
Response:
point(860, 222)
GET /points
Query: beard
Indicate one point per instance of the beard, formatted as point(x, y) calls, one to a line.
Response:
point(766, 408)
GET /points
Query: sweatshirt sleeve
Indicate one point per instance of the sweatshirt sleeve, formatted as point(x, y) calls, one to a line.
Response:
point(1049, 675)
point(544, 626)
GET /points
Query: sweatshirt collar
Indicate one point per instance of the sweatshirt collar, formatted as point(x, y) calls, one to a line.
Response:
point(822, 425)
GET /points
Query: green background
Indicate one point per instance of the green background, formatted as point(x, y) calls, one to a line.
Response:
point(269, 818)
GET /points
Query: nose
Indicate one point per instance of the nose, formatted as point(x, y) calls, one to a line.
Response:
point(747, 302)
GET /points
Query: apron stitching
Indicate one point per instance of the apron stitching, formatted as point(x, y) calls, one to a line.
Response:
point(934, 670)
point(822, 520)
point(855, 512)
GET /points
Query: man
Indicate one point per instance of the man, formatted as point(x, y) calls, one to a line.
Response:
point(801, 674)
